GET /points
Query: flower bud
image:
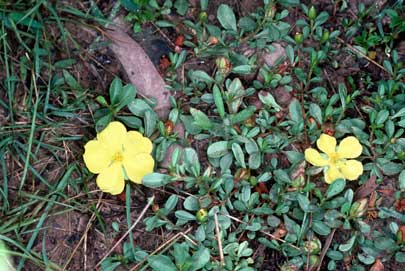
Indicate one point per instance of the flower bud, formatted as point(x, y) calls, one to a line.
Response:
point(242, 174)
point(288, 267)
point(203, 16)
point(102, 101)
point(169, 127)
point(270, 11)
point(401, 235)
point(223, 65)
point(253, 181)
point(298, 182)
point(155, 207)
point(358, 208)
point(325, 36)
point(314, 246)
point(202, 215)
point(250, 122)
point(312, 13)
point(212, 40)
point(298, 38)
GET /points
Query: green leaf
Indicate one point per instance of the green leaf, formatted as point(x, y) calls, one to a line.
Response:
point(131, 121)
point(183, 215)
point(200, 258)
point(71, 81)
point(103, 122)
point(217, 149)
point(268, 99)
point(243, 115)
point(191, 203)
point(400, 257)
point(391, 168)
point(238, 154)
point(226, 17)
point(320, 228)
point(316, 112)
point(181, 6)
point(247, 24)
point(242, 69)
point(382, 116)
point(162, 23)
point(295, 111)
point(335, 188)
point(401, 180)
point(400, 113)
point(161, 263)
point(138, 107)
point(171, 202)
point(216, 92)
point(201, 76)
point(156, 179)
point(388, 66)
point(150, 119)
point(127, 95)
point(106, 265)
point(200, 119)
point(115, 91)
point(130, 5)
point(255, 160)
point(348, 246)
point(304, 203)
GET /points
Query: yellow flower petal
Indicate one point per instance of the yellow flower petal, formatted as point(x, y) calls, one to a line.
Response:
point(349, 147)
point(136, 143)
point(315, 158)
point(111, 179)
point(327, 144)
point(138, 166)
point(351, 169)
point(113, 136)
point(96, 156)
point(332, 173)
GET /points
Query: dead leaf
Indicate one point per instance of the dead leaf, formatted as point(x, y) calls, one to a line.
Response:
point(164, 63)
point(139, 68)
point(400, 205)
point(366, 189)
point(377, 266)
point(261, 188)
point(179, 40)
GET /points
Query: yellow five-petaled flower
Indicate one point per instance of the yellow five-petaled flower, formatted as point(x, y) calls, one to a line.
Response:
point(334, 159)
point(117, 155)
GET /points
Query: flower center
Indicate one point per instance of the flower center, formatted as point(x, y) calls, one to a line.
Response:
point(333, 158)
point(118, 157)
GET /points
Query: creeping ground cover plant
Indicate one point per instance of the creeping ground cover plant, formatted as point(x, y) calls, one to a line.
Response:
point(334, 159)
point(117, 154)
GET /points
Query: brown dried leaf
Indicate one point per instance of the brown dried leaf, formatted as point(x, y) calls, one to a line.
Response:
point(139, 68)
point(366, 189)
point(377, 266)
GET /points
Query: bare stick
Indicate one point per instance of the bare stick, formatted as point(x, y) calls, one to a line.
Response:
point(221, 252)
point(128, 231)
point(88, 226)
point(325, 248)
point(354, 49)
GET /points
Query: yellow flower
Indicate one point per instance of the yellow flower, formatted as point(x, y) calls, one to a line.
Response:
point(117, 155)
point(335, 159)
